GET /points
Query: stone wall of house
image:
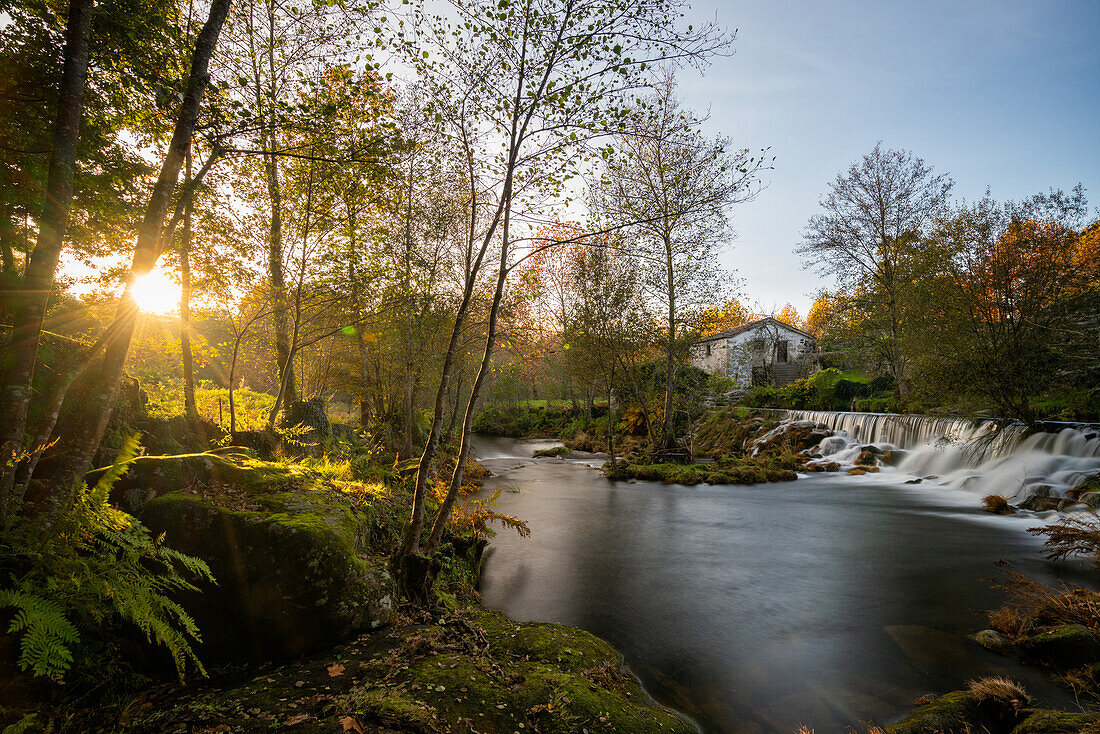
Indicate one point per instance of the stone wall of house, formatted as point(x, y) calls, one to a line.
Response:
point(736, 356)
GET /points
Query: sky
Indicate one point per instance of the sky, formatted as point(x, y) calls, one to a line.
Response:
point(1001, 95)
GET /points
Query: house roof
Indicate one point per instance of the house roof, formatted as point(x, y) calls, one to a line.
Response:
point(753, 325)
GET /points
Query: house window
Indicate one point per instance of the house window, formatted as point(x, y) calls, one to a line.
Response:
point(708, 350)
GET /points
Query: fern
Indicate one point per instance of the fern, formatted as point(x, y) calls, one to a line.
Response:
point(47, 633)
point(94, 565)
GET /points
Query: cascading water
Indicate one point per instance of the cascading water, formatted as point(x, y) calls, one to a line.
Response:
point(982, 455)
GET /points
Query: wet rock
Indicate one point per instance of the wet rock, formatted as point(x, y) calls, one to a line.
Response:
point(1067, 646)
point(857, 472)
point(867, 458)
point(918, 480)
point(791, 437)
point(1038, 503)
point(1092, 499)
point(992, 640)
point(832, 466)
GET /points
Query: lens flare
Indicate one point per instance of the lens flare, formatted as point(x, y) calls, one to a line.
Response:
point(156, 293)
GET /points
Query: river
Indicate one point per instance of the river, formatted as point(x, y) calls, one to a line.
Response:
point(828, 601)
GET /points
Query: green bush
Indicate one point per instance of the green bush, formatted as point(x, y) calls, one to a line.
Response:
point(761, 396)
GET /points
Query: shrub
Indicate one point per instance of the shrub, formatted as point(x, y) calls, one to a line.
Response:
point(882, 383)
point(761, 396)
point(1071, 536)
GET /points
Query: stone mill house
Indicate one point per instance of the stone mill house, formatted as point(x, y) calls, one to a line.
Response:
point(762, 352)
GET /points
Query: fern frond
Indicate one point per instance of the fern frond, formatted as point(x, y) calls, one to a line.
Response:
point(47, 633)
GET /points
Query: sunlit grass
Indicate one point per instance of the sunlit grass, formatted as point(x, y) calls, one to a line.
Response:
point(166, 401)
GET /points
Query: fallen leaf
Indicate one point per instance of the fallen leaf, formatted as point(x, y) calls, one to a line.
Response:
point(335, 669)
point(350, 723)
point(296, 719)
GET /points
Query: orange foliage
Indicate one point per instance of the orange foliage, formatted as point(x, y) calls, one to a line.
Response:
point(729, 315)
point(821, 314)
point(789, 315)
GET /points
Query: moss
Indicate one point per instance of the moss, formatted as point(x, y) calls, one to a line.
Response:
point(552, 452)
point(545, 677)
point(957, 712)
point(469, 670)
point(1066, 646)
point(1041, 721)
point(730, 471)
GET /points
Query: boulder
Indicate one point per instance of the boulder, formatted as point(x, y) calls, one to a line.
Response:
point(867, 458)
point(1044, 721)
point(288, 551)
point(310, 418)
point(1066, 646)
point(992, 640)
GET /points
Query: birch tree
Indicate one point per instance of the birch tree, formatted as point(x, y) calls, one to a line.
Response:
point(678, 186)
point(523, 85)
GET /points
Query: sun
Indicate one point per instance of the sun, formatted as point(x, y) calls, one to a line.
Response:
point(156, 293)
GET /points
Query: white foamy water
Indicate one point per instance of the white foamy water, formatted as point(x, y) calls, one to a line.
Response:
point(978, 455)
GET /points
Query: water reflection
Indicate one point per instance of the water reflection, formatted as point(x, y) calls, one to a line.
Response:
point(825, 601)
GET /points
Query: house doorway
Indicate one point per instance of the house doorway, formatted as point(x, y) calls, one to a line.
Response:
point(781, 352)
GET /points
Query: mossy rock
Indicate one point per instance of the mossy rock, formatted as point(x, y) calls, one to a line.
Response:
point(1043, 721)
point(469, 671)
point(958, 712)
point(993, 641)
point(149, 477)
point(533, 677)
point(310, 416)
point(1067, 646)
point(289, 552)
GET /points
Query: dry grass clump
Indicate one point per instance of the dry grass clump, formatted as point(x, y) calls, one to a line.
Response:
point(1076, 535)
point(997, 504)
point(1001, 690)
point(924, 700)
point(1011, 622)
point(1034, 604)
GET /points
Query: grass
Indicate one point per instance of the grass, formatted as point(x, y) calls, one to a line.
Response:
point(1000, 690)
point(166, 401)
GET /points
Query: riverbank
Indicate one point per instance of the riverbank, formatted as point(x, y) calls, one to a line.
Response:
point(302, 632)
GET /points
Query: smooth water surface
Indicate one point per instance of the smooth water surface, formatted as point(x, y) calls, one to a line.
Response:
point(829, 601)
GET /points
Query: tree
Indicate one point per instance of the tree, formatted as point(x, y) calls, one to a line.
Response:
point(673, 188)
point(873, 219)
point(1001, 320)
point(521, 86)
point(789, 315)
point(88, 421)
point(729, 315)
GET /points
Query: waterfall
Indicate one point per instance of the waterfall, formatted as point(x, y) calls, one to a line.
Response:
point(979, 455)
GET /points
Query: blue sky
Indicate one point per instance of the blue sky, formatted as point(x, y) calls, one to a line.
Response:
point(1004, 95)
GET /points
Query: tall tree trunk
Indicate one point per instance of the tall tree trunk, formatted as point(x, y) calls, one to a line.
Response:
point(83, 435)
point(458, 476)
point(189, 405)
point(38, 276)
point(611, 414)
point(668, 437)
